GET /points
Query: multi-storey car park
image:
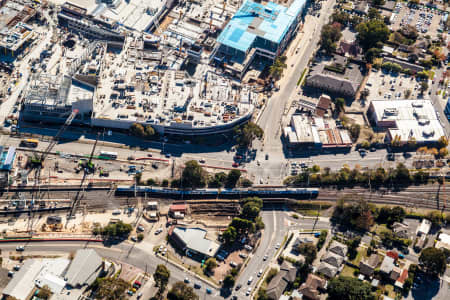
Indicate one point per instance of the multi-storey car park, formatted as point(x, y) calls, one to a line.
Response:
point(175, 79)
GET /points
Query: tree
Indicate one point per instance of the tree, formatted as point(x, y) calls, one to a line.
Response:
point(355, 130)
point(210, 264)
point(181, 291)
point(348, 288)
point(140, 237)
point(339, 105)
point(233, 178)
point(408, 93)
point(276, 69)
point(247, 133)
point(329, 36)
point(137, 129)
point(372, 32)
point(378, 2)
point(44, 292)
point(111, 288)
point(114, 230)
point(423, 86)
point(442, 142)
point(161, 276)
point(218, 180)
point(309, 251)
point(435, 217)
point(374, 13)
point(433, 261)
point(193, 175)
point(242, 225)
point(443, 152)
point(251, 207)
point(229, 235)
point(228, 281)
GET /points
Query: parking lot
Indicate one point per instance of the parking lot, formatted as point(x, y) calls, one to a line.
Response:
point(391, 86)
point(426, 20)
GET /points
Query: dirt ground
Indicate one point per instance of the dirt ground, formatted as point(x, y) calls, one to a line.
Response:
point(224, 267)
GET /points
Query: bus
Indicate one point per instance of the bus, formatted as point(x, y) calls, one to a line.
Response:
point(108, 155)
point(33, 143)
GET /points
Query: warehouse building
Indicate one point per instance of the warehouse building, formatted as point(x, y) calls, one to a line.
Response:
point(406, 120)
point(257, 30)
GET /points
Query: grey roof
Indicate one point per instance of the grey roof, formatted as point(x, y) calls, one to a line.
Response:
point(338, 248)
point(22, 283)
point(84, 268)
point(195, 239)
point(387, 265)
point(279, 283)
point(327, 270)
point(333, 259)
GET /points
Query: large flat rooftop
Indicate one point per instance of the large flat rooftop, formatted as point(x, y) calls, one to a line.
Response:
point(270, 22)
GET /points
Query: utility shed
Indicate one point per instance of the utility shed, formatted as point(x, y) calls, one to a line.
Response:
point(84, 268)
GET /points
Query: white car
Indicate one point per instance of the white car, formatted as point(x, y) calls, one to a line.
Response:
point(260, 273)
point(277, 246)
point(20, 248)
point(249, 290)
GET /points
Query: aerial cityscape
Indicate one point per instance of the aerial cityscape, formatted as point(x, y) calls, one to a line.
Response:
point(228, 149)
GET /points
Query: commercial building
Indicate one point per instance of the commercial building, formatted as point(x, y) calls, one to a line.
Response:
point(7, 158)
point(37, 273)
point(193, 242)
point(15, 34)
point(257, 30)
point(338, 76)
point(315, 133)
point(84, 269)
point(406, 120)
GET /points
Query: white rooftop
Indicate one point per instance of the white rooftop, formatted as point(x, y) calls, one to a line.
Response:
point(412, 119)
point(22, 282)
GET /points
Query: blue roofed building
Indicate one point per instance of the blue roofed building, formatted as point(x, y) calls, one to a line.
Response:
point(447, 109)
point(257, 30)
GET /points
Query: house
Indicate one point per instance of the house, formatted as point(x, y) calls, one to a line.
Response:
point(279, 283)
point(443, 241)
point(387, 265)
point(424, 227)
point(367, 267)
point(401, 279)
point(193, 242)
point(84, 269)
point(338, 248)
point(361, 8)
point(323, 106)
point(337, 76)
point(327, 270)
point(333, 259)
point(349, 49)
point(312, 287)
point(400, 230)
point(395, 273)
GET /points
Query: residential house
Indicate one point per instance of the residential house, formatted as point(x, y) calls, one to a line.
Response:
point(424, 227)
point(333, 259)
point(338, 248)
point(401, 279)
point(367, 267)
point(278, 284)
point(395, 273)
point(361, 8)
point(387, 265)
point(312, 287)
point(349, 49)
point(400, 230)
point(328, 270)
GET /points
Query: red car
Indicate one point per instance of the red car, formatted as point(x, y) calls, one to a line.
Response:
point(235, 165)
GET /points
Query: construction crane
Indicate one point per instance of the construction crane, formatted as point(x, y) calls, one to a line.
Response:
point(88, 168)
point(38, 160)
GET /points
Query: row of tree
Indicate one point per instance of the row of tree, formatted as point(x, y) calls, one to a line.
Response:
point(352, 177)
point(194, 176)
point(179, 290)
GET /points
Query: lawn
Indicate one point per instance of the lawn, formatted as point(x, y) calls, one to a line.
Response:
point(348, 271)
point(390, 289)
point(362, 253)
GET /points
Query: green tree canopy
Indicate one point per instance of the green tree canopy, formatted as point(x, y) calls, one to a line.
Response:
point(228, 281)
point(181, 291)
point(309, 251)
point(161, 276)
point(433, 261)
point(348, 288)
point(329, 36)
point(276, 69)
point(210, 264)
point(44, 292)
point(112, 230)
point(111, 288)
point(247, 133)
point(193, 175)
point(372, 32)
point(229, 235)
point(232, 178)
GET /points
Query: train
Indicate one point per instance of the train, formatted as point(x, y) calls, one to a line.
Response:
point(209, 193)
